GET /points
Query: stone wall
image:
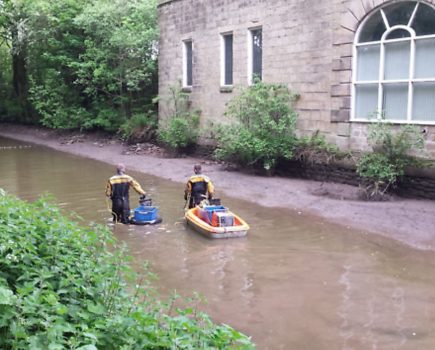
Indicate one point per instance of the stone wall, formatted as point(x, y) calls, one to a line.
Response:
point(307, 45)
point(409, 186)
point(417, 187)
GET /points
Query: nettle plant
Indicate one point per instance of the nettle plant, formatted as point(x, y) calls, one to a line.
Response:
point(264, 127)
point(393, 150)
point(180, 130)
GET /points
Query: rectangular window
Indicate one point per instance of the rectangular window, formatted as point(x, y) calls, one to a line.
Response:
point(256, 54)
point(366, 102)
point(227, 59)
point(368, 63)
point(395, 101)
point(187, 63)
point(397, 61)
point(424, 58)
point(424, 102)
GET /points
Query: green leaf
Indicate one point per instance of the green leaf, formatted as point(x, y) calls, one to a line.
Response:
point(96, 309)
point(87, 347)
point(90, 335)
point(7, 297)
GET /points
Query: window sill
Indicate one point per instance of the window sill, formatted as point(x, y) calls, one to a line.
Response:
point(392, 121)
point(226, 89)
point(186, 89)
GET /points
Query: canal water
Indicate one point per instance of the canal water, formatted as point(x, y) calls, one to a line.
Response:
point(295, 282)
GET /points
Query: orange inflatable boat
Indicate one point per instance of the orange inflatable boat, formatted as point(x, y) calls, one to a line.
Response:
point(216, 221)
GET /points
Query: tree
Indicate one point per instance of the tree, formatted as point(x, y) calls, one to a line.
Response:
point(80, 63)
point(14, 33)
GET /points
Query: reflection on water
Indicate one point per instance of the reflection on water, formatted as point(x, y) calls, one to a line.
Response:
point(295, 282)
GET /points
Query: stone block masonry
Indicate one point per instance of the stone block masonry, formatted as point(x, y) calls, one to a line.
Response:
point(307, 45)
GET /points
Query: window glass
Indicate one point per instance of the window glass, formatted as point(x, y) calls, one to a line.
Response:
point(373, 29)
point(366, 101)
point(395, 63)
point(368, 62)
point(424, 21)
point(257, 53)
point(424, 102)
point(398, 34)
point(395, 101)
point(228, 59)
point(397, 60)
point(189, 63)
point(399, 13)
point(425, 58)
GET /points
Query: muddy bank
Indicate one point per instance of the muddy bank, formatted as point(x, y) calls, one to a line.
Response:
point(406, 220)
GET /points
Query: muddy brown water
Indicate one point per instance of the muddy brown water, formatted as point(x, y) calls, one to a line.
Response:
point(295, 282)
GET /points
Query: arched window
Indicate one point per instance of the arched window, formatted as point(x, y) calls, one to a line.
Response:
point(394, 66)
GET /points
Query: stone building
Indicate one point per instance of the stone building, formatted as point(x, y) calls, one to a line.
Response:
point(346, 59)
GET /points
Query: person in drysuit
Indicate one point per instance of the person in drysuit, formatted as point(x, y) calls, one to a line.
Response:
point(198, 188)
point(117, 190)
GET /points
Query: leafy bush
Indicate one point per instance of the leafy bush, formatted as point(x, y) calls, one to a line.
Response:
point(314, 149)
point(180, 133)
point(61, 288)
point(53, 104)
point(180, 130)
point(140, 127)
point(392, 154)
point(264, 128)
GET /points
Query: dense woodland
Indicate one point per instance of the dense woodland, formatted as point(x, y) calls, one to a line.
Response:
point(88, 64)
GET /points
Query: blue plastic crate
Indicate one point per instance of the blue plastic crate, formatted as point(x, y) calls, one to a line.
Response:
point(144, 213)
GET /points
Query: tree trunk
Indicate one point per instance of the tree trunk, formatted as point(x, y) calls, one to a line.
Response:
point(20, 84)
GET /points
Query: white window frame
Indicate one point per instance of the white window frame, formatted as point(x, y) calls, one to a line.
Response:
point(250, 39)
point(184, 83)
point(381, 81)
point(222, 60)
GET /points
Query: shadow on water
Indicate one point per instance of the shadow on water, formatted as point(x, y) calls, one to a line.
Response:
point(295, 282)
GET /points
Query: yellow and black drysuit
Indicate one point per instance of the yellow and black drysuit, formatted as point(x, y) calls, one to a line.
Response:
point(198, 188)
point(117, 189)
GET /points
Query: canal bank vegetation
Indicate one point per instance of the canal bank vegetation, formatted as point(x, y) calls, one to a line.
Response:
point(263, 131)
point(61, 287)
point(264, 128)
point(179, 132)
point(263, 134)
point(392, 152)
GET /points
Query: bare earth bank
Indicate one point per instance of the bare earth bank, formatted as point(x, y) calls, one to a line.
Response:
point(409, 221)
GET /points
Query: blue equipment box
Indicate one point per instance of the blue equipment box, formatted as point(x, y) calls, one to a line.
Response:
point(207, 211)
point(144, 213)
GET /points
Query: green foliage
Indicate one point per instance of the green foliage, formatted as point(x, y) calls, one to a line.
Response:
point(54, 103)
point(180, 130)
point(378, 172)
point(61, 288)
point(88, 64)
point(392, 153)
point(140, 127)
point(119, 59)
point(314, 149)
point(264, 128)
point(9, 107)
